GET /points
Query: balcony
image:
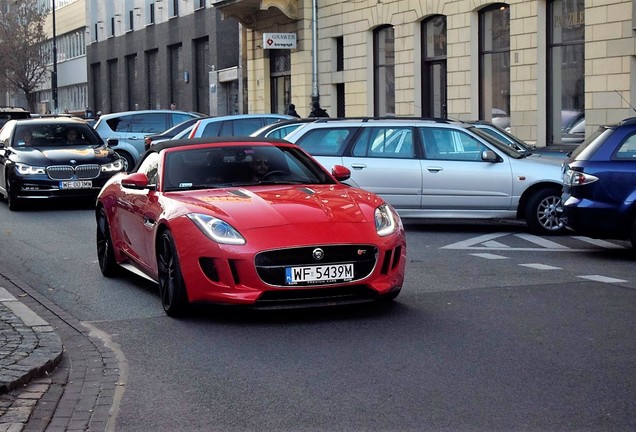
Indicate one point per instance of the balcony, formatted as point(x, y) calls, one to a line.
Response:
point(249, 12)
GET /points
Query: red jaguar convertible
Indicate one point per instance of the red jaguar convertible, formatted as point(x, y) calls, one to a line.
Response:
point(248, 222)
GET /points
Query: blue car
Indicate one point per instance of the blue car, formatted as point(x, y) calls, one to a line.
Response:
point(599, 184)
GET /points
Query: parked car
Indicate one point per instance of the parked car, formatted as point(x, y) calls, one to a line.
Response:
point(439, 169)
point(233, 125)
point(248, 222)
point(53, 158)
point(127, 130)
point(9, 113)
point(170, 133)
point(281, 128)
point(599, 184)
point(514, 142)
point(574, 133)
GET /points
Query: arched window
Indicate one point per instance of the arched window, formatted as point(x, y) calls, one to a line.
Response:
point(494, 64)
point(384, 71)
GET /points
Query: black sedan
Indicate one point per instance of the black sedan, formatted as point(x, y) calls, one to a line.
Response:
point(53, 158)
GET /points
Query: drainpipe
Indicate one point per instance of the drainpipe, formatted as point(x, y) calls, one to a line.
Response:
point(315, 95)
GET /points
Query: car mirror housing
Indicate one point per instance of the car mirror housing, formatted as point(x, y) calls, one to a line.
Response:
point(136, 181)
point(489, 156)
point(340, 172)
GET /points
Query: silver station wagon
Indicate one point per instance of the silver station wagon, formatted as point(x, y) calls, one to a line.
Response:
point(439, 169)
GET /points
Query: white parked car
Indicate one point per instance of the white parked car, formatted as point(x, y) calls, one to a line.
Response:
point(439, 169)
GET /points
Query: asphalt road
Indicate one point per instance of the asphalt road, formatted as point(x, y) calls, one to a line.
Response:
point(495, 330)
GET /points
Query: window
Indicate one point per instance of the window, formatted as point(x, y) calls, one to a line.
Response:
point(494, 64)
point(326, 142)
point(627, 150)
point(339, 54)
point(151, 13)
point(450, 144)
point(280, 75)
point(173, 8)
point(384, 71)
point(385, 143)
point(434, 67)
point(566, 56)
point(149, 123)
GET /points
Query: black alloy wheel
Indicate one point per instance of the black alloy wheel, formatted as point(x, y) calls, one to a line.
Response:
point(13, 202)
point(543, 212)
point(172, 288)
point(105, 252)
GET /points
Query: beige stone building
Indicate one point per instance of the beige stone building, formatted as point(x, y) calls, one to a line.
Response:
point(530, 65)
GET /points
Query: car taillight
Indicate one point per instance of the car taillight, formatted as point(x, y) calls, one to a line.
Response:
point(577, 178)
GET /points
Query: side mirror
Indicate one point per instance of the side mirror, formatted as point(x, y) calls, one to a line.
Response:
point(340, 172)
point(489, 156)
point(112, 142)
point(136, 181)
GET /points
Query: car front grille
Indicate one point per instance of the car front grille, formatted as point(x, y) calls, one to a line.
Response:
point(271, 265)
point(68, 172)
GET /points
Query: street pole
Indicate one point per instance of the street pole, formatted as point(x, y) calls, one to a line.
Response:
point(54, 75)
point(315, 96)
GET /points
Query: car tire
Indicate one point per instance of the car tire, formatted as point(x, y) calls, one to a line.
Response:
point(172, 288)
point(388, 298)
point(543, 212)
point(105, 251)
point(632, 234)
point(129, 163)
point(13, 202)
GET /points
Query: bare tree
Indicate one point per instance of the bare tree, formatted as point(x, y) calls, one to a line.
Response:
point(23, 54)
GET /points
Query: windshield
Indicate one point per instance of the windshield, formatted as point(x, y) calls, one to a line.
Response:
point(215, 167)
point(54, 135)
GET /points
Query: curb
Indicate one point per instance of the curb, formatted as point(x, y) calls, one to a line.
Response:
point(29, 346)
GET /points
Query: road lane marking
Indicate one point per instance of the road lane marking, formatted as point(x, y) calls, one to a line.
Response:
point(487, 242)
point(604, 279)
point(489, 256)
point(495, 245)
point(540, 266)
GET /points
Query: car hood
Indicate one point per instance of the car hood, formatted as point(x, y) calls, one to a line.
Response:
point(64, 155)
point(538, 168)
point(267, 206)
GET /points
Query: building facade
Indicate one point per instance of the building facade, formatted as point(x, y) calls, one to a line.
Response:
point(530, 65)
point(151, 54)
point(70, 45)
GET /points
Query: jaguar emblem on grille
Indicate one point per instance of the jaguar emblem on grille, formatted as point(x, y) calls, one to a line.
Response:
point(72, 161)
point(318, 254)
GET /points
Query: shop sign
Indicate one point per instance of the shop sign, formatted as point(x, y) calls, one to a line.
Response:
point(279, 40)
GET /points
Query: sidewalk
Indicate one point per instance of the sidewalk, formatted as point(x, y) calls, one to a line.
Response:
point(29, 346)
point(56, 373)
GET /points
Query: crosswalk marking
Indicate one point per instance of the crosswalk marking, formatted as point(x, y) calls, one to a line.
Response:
point(489, 256)
point(598, 242)
point(604, 279)
point(496, 242)
point(540, 241)
point(540, 266)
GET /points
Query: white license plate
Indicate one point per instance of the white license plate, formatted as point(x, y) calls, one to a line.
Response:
point(319, 274)
point(76, 184)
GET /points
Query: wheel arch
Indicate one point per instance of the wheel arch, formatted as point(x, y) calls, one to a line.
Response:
point(528, 193)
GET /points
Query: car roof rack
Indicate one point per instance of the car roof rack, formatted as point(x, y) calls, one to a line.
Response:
point(367, 119)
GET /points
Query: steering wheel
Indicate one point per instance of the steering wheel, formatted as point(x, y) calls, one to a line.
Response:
point(273, 173)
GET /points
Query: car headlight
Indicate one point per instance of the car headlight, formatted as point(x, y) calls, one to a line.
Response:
point(24, 169)
point(384, 220)
point(217, 229)
point(113, 166)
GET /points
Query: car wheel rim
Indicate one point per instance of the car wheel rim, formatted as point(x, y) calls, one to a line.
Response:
point(167, 270)
point(549, 213)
